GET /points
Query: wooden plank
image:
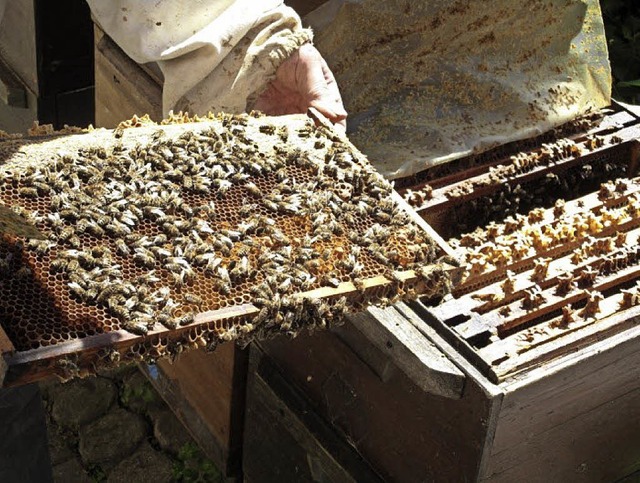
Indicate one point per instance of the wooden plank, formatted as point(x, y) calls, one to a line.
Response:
point(6, 349)
point(6, 346)
point(574, 340)
point(405, 347)
point(18, 42)
point(206, 391)
point(123, 339)
point(578, 417)
point(379, 362)
point(635, 110)
point(558, 250)
point(450, 252)
point(3, 370)
point(484, 184)
point(288, 441)
point(493, 393)
point(405, 433)
point(36, 364)
point(279, 444)
point(427, 320)
point(597, 445)
point(614, 118)
point(32, 365)
point(122, 87)
point(556, 302)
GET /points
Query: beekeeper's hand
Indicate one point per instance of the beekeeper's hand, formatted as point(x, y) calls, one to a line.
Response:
point(302, 81)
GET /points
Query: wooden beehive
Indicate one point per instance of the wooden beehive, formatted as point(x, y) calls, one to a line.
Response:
point(397, 395)
point(561, 402)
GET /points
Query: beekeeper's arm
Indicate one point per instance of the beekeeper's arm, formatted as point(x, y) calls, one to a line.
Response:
point(225, 55)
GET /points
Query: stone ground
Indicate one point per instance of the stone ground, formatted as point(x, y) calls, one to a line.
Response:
point(115, 428)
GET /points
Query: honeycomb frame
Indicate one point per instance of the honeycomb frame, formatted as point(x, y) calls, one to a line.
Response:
point(161, 238)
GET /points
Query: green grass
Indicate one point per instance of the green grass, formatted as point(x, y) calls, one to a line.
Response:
point(193, 467)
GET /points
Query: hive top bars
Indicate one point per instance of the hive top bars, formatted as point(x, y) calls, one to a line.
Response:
point(162, 237)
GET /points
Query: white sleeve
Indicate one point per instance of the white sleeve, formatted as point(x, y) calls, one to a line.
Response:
point(215, 55)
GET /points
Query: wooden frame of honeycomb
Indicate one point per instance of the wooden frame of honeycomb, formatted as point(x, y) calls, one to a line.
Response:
point(160, 238)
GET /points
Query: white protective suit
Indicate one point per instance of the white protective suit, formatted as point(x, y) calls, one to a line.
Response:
point(215, 55)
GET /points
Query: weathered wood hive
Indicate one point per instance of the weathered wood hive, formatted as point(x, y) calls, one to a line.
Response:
point(541, 336)
point(159, 238)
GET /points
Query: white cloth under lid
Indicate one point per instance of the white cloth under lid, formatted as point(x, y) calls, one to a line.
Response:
point(426, 82)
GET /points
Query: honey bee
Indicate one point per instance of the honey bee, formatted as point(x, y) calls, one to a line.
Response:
point(160, 252)
point(77, 290)
point(41, 247)
point(279, 237)
point(222, 286)
point(171, 230)
point(66, 233)
point(253, 189)
point(331, 279)
point(101, 219)
point(270, 205)
point(136, 327)
point(120, 311)
point(74, 241)
point(267, 129)
point(73, 265)
point(193, 299)
point(144, 258)
point(117, 228)
point(58, 265)
point(116, 300)
point(110, 290)
point(240, 269)
point(67, 368)
point(286, 285)
point(180, 279)
point(94, 229)
point(222, 186)
point(185, 319)
point(167, 320)
point(122, 248)
point(380, 257)
point(28, 192)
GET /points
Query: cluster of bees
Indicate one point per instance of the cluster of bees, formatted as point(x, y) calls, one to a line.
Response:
point(230, 211)
point(590, 309)
point(520, 163)
point(509, 199)
point(522, 236)
point(418, 197)
point(536, 239)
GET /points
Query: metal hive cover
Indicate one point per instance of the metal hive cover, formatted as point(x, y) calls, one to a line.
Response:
point(162, 237)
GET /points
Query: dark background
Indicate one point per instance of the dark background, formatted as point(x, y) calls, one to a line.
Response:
point(622, 25)
point(64, 44)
